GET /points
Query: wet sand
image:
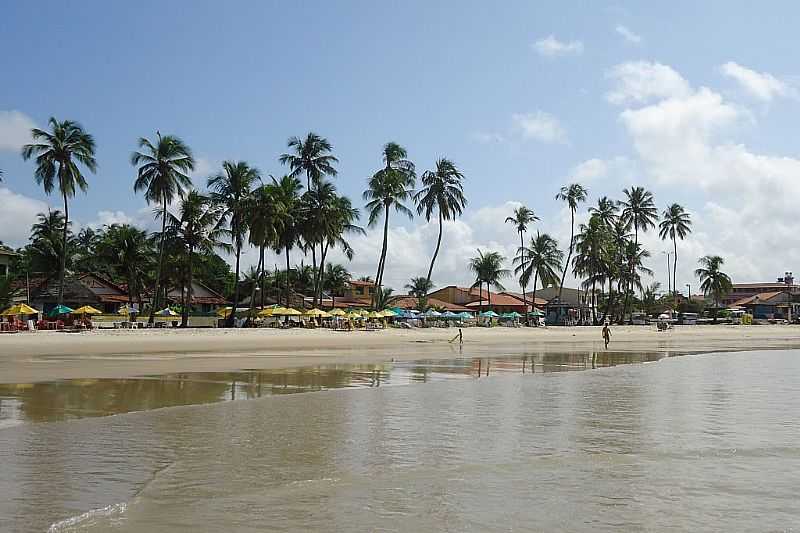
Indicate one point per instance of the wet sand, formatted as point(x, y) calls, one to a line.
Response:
point(47, 356)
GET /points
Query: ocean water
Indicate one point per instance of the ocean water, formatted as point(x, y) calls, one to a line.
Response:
point(692, 443)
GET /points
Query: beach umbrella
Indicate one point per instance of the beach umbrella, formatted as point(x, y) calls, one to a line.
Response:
point(535, 312)
point(449, 315)
point(432, 313)
point(266, 312)
point(464, 315)
point(514, 314)
point(388, 313)
point(167, 312)
point(87, 310)
point(337, 312)
point(286, 311)
point(221, 312)
point(374, 314)
point(316, 312)
point(354, 316)
point(489, 314)
point(59, 310)
point(19, 309)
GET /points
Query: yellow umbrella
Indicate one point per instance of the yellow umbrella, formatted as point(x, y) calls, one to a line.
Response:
point(284, 311)
point(388, 313)
point(19, 309)
point(291, 311)
point(87, 310)
point(354, 316)
point(337, 312)
point(316, 312)
point(374, 314)
point(223, 312)
point(266, 312)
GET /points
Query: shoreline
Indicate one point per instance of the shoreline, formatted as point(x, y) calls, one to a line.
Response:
point(50, 356)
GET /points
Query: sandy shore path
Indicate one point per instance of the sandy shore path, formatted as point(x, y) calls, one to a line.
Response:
point(44, 356)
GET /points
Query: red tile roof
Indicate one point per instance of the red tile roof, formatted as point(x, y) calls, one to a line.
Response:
point(411, 302)
point(499, 299)
point(762, 297)
point(358, 282)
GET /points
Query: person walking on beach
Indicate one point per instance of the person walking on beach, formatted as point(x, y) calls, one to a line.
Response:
point(606, 334)
point(460, 337)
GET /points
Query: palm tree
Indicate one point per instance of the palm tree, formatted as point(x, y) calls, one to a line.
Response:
point(639, 212)
point(230, 192)
point(339, 219)
point(488, 268)
point(58, 153)
point(713, 281)
point(311, 156)
point(264, 212)
point(542, 261)
point(196, 229)
point(606, 211)
point(335, 280)
point(592, 245)
point(419, 288)
point(572, 195)
point(389, 188)
point(522, 217)
point(47, 244)
point(675, 224)
point(443, 192)
point(286, 192)
point(163, 175)
point(383, 297)
point(127, 250)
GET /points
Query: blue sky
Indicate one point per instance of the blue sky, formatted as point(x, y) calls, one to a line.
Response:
point(520, 95)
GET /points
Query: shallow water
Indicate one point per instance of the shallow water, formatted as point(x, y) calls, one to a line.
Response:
point(689, 443)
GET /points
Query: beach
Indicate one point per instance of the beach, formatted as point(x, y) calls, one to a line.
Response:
point(47, 356)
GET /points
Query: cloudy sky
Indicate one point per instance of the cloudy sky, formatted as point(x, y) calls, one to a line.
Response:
point(695, 101)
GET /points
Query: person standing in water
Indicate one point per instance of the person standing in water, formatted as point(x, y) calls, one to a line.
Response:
point(606, 334)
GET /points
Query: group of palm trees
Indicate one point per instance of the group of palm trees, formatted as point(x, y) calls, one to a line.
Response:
point(605, 254)
point(241, 208)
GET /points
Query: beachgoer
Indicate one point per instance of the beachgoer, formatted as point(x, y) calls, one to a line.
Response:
point(606, 335)
point(460, 337)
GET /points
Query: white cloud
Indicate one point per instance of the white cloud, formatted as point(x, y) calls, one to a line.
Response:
point(16, 216)
point(540, 126)
point(761, 85)
point(15, 130)
point(628, 35)
point(745, 203)
point(589, 170)
point(641, 81)
point(488, 138)
point(552, 47)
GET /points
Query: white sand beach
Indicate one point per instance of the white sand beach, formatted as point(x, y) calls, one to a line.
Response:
point(44, 356)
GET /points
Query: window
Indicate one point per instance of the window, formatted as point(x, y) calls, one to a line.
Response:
point(3, 270)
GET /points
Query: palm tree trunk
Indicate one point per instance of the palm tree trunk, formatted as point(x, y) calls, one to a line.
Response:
point(314, 272)
point(189, 293)
point(382, 262)
point(255, 284)
point(535, 282)
point(288, 290)
point(323, 257)
point(675, 271)
point(631, 271)
point(569, 256)
point(63, 268)
point(594, 301)
point(261, 278)
point(232, 316)
point(436, 251)
point(524, 297)
point(154, 303)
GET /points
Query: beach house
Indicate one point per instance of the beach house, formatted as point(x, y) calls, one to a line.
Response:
point(6, 257)
point(741, 291)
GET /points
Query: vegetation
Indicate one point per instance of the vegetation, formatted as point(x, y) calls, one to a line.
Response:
point(675, 224)
point(521, 219)
point(488, 269)
point(58, 153)
point(542, 260)
point(713, 281)
point(572, 195)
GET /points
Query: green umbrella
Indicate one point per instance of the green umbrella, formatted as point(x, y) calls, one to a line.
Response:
point(59, 310)
point(536, 312)
point(489, 314)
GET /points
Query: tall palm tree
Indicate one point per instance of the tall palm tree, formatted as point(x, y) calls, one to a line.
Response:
point(522, 217)
point(230, 192)
point(58, 153)
point(388, 188)
point(310, 156)
point(488, 268)
point(291, 213)
point(675, 224)
point(419, 287)
point(47, 244)
point(713, 280)
point(163, 175)
point(639, 212)
point(572, 195)
point(592, 245)
point(442, 191)
point(542, 261)
point(606, 211)
point(264, 212)
point(127, 250)
point(340, 219)
point(196, 229)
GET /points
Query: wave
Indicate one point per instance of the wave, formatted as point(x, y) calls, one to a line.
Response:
point(73, 522)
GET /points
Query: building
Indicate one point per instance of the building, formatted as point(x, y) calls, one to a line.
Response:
point(476, 299)
point(412, 302)
point(359, 290)
point(79, 290)
point(741, 291)
point(204, 299)
point(776, 305)
point(6, 257)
